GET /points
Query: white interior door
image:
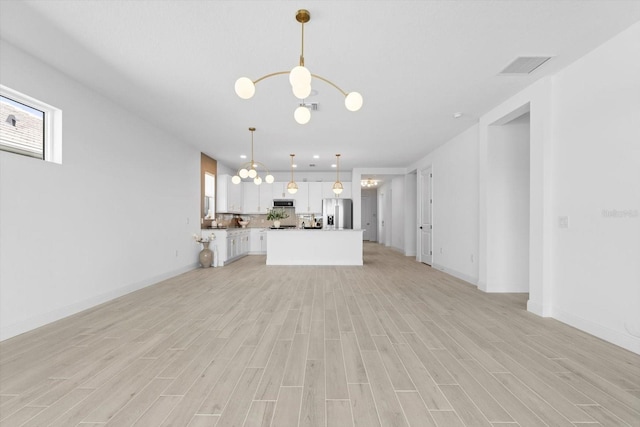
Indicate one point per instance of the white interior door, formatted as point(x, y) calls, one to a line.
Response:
point(369, 223)
point(426, 225)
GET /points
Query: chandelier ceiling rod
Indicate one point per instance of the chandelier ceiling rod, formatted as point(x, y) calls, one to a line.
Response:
point(292, 187)
point(337, 186)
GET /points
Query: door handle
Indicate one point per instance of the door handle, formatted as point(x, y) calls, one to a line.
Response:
point(420, 227)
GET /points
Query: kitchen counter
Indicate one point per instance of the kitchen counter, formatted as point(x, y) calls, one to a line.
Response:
point(314, 247)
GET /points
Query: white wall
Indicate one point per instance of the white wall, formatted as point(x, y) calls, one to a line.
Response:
point(115, 216)
point(397, 219)
point(410, 213)
point(596, 168)
point(508, 207)
point(455, 204)
point(584, 164)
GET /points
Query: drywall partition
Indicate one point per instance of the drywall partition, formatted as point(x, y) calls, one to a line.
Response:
point(537, 98)
point(455, 205)
point(508, 206)
point(115, 216)
point(410, 219)
point(397, 207)
point(596, 182)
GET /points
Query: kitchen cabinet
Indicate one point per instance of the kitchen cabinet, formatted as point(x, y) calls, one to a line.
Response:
point(228, 196)
point(309, 198)
point(258, 241)
point(302, 198)
point(250, 198)
point(327, 191)
point(256, 199)
point(229, 244)
point(315, 197)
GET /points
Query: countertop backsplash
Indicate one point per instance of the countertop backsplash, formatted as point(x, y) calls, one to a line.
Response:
point(255, 221)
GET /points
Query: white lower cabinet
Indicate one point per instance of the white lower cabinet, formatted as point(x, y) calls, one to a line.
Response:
point(258, 241)
point(230, 244)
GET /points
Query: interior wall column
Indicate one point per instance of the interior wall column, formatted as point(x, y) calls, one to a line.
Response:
point(538, 98)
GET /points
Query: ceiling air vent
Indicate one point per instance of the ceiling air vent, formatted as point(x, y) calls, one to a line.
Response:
point(525, 64)
point(313, 106)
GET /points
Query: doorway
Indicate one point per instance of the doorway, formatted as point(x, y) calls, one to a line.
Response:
point(369, 210)
point(426, 215)
point(508, 204)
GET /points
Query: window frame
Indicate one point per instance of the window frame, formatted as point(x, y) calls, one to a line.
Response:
point(52, 124)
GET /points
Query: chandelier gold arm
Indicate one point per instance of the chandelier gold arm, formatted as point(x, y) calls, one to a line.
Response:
point(312, 75)
point(270, 75)
point(330, 82)
point(248, 165)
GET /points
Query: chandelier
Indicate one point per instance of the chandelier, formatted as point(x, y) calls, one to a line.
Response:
point(248, 170)
point(300, 79)
point(368, 183)
point(292, 187)
point(337, 186)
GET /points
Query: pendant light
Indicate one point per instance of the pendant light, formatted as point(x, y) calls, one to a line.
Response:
point(337, 186)
point(248, 170)
point(300, 79)
point(292, 187)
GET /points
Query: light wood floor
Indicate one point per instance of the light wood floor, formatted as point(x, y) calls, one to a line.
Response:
point(392, 343)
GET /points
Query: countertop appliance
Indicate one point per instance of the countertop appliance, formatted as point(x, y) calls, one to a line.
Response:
point(337, 214)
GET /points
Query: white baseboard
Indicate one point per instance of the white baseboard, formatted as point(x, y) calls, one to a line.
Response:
point(622, 339)
point(37, 321)
point(457, 274)
point(503, 288)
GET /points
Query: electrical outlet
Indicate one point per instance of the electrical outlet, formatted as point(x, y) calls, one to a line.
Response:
point(471, 257)
point(176, 253)
point(440, 250)
point(187, 220)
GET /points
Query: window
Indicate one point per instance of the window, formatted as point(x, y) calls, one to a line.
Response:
point(29, 127)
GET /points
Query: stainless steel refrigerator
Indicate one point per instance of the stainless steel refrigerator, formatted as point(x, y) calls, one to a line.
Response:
point(337, 214)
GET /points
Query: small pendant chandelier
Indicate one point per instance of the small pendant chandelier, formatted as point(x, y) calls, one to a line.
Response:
point(337, 186)
point(292, 187)
point(300, 80)
point(248, 170)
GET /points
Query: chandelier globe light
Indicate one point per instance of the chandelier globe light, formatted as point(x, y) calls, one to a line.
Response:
point(248, 170)
point(337, 186)
point(292, 187)
point(300, 79)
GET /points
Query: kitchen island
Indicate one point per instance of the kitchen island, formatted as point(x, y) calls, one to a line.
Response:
point(314, 247)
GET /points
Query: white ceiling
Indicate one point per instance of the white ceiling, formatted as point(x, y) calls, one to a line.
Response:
point(415, 63)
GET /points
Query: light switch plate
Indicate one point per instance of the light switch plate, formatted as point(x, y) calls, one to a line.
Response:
point(563, 221)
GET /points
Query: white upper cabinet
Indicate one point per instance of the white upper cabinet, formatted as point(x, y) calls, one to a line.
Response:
point(256, 199)
point(302, 198)
point(266, 198)
point(228, 196)
point(315, 197)
point(309, 198)
point(250, 198)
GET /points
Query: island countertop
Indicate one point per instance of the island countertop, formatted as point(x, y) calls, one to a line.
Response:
point(314, 247)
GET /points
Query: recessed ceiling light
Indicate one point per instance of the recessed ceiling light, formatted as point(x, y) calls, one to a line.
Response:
point(243, 156)
point(315, 156)
point(295, 166)
point(333, 165)
point(457, 115)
